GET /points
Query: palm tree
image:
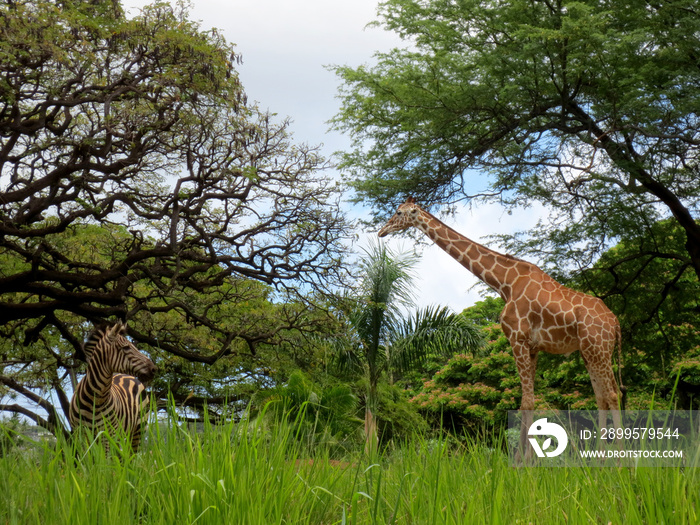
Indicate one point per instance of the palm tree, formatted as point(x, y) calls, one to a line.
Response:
point(385, 340)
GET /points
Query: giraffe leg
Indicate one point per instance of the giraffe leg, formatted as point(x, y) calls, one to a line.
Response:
point(526, 362)
point(596, 350)
point(609, 402)
point(606, 396)
point(600, 398)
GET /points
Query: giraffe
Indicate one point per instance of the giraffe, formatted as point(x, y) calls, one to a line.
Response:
point(540, 315)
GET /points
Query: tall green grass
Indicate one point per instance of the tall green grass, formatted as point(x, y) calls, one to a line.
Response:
point(257, 475)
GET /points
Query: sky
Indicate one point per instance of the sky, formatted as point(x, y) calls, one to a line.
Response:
point(286, 47)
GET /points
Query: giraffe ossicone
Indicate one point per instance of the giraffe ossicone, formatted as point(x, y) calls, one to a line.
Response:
point(540, 314)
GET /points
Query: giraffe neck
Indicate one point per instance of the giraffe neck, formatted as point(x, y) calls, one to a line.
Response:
point(488, 265)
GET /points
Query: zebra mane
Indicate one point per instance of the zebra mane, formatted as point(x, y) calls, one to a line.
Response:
point(102, 330)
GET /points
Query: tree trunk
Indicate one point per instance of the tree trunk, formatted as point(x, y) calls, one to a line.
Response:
point(681, 214)
point(627, 160)
point(371, 435)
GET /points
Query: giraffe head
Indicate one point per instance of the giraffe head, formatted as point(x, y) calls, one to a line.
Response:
point(406, 216)
point(109, 344)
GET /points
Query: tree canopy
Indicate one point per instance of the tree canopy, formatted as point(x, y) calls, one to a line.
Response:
point(655, 295)
point(589, 107)
point(137, 182)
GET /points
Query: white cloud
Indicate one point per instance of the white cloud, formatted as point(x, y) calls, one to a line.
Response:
point(286, 46)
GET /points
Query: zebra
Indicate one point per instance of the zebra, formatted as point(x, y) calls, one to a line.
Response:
point(107, 398)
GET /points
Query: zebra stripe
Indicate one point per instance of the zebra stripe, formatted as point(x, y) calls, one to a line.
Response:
point(109, 396)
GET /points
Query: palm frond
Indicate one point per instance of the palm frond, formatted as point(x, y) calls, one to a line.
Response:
point(432, 330)
point(387, 276)
point(386, 289)
point(349, 360)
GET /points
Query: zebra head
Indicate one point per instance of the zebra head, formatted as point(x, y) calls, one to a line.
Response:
point(109, 344)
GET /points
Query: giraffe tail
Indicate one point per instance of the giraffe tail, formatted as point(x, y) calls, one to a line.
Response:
point(623, 388)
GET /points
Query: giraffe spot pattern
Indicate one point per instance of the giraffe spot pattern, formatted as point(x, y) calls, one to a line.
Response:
point(539, 315)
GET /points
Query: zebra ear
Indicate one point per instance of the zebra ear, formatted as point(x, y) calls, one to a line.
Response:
point(115, 330)
point(120, 326)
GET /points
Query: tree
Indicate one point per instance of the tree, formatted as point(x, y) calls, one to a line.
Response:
point(271, 337)
point(136, 182)
point(383, 339)
point(655, 296)
point(590, 108)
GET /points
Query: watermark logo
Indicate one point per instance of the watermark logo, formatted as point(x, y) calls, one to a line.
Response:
point(542, 427)
point(574, 438)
